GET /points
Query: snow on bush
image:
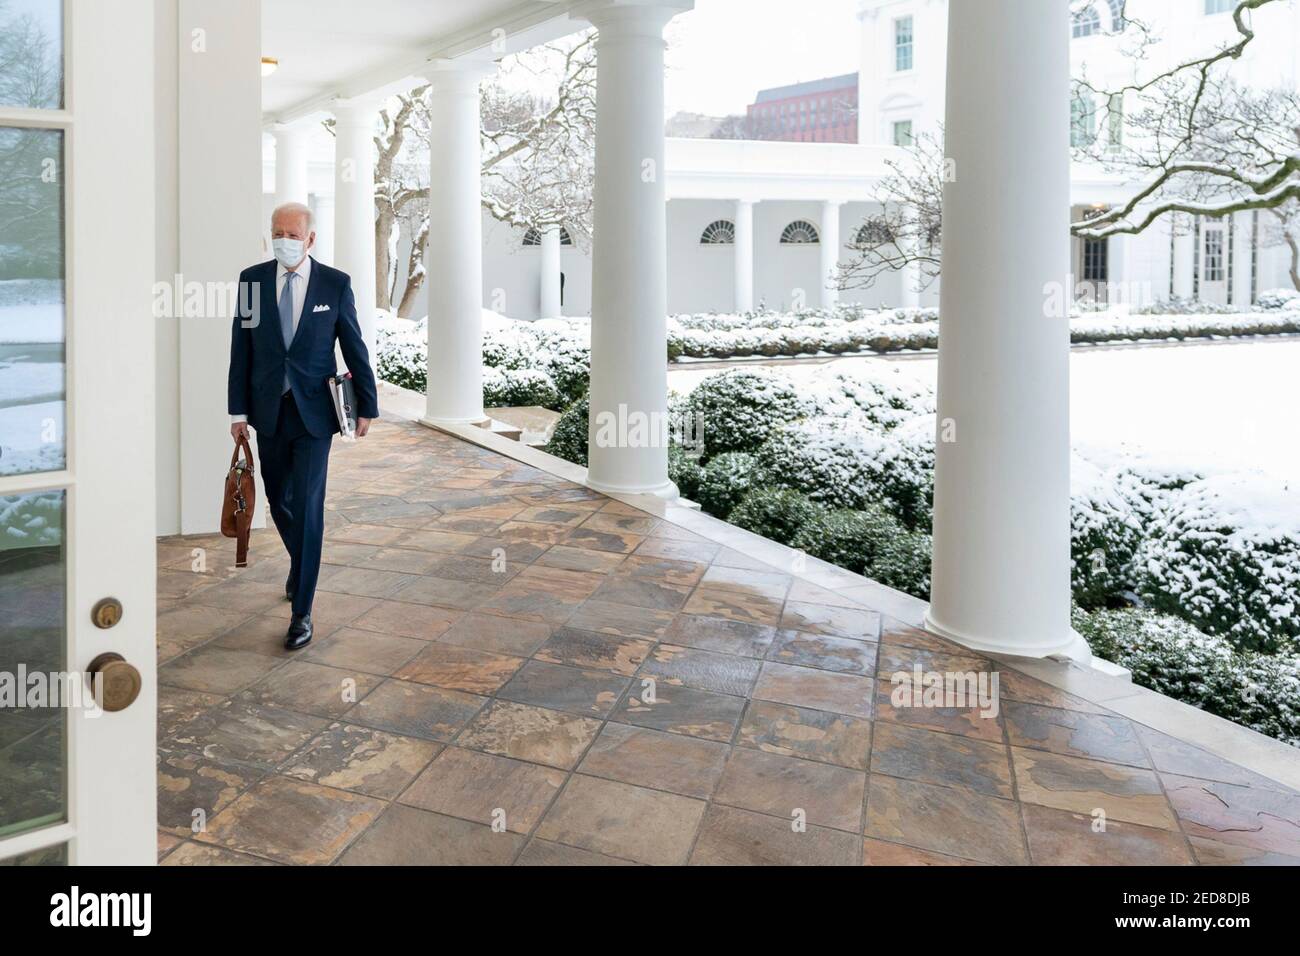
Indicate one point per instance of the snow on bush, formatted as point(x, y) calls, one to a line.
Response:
point(512, 387)
point(725, 481)
point(848, 463)
point(739, 408)
point(1278, 299)
point(1104, 535)
point(31, 521)
point(1172, 657)
point(1224, 553)
point(569, 438)
point(883, 394)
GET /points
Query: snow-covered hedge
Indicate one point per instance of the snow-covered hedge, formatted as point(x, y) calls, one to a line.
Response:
point(725, 481)
point(525, 363)
point(847, 463)
point(857, 329)
point(1171, 656)
point(1224, 553)
point(739, 408)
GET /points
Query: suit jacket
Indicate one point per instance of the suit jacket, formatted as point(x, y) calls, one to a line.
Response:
point(259, 360)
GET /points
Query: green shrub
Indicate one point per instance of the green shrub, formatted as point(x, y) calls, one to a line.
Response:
point(726, 480)
point(569, 440)
point(1172, 657)
point(904, 563)
point(1104, 535)
point(847, 538)
point(775, 513)
point(741, 407)
point(845, 463)
point(512, 387)
point(1224, 554)
point(684, 471)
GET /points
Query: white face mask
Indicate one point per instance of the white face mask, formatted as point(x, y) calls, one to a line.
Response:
point(288, 251)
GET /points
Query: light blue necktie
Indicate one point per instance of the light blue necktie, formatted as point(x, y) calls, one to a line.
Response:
point(286, 321)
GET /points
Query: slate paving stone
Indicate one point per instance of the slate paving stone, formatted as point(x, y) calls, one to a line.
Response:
point(819, 690)
point(735, 837)
point(416, 710)
point(495, 634)
point(722, 635)
point(399, 619)
point(839, 654)
point(702, 670)
point(536, 734)
point(1082, 786)
point(578, 648)
point(1060, 838)
point(946, 820)
point(246, 733)
point(311, 688)
point(290, 821)
point(192, 789)
point(681, 710)
point(577, 690)
point(647, 826)
point(947, 759)
point(369, 761)
point(799, 790)
point(485, 788)
point(459, 668)
point(812, 734)
point(1074, 734)
point(661, 761)
point(409, 836)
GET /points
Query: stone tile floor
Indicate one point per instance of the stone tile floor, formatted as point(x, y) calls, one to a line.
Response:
point(510, 668)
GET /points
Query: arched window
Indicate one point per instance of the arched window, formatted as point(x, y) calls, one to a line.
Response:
point(720, 232)
point(873, 233)
point(798, 232)
point(533, 237)
point(1083, 120)
point(1117, 19)
point(1086, 22)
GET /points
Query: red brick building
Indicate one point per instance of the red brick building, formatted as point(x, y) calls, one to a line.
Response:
point(819, 111)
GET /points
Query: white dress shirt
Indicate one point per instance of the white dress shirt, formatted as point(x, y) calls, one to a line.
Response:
point(299, 299)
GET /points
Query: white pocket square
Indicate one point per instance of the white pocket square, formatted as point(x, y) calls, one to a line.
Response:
point(321, 308)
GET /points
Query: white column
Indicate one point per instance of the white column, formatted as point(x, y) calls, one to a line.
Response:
point(629, 297)
point(454, 254)
point(549, 278)
point(909, 276)
point(1001, 571)
point(830, 252)
point(1242, 253)
point(744, 251)
point(354, 206)
point(290, 163)
point(323, 206)
point(1184, 253)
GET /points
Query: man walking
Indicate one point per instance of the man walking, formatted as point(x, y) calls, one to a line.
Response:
point(292, 311)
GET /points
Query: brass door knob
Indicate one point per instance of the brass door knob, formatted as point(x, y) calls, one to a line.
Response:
point(120, 681)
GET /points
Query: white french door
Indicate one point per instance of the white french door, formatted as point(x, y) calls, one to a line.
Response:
point(76, 430)
point(1214, 261)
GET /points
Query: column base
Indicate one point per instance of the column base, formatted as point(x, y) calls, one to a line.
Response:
point(667, 491)
point(1072, 647)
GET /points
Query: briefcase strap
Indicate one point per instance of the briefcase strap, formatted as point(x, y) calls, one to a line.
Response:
point(241, 444)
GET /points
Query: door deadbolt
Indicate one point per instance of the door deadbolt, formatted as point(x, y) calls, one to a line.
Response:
point(106, 612)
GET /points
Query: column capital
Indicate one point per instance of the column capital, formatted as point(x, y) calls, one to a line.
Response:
point(448, 74)
point(359, 110)
point(630, 17)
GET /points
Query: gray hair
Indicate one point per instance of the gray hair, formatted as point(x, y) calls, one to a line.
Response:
point(297, 209)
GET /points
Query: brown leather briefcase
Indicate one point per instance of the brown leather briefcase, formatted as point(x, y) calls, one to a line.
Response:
point(239, 500)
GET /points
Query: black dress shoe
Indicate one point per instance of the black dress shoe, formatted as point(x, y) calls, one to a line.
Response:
point(299, 632)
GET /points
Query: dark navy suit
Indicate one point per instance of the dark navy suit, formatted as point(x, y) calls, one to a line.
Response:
point(296, 427)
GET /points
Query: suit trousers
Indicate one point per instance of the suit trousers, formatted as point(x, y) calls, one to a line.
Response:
point(295, 465)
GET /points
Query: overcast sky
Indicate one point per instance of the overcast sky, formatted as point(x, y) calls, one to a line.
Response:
point(724, 51)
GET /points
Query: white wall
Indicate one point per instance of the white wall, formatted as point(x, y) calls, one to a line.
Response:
point(167, 422)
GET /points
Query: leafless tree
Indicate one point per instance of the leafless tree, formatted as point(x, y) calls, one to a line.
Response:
point(1195, 141)
point(538, 148)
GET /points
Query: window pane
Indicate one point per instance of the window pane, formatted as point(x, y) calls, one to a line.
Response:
point(31, 53)
point(33, 727)
point(31, 301)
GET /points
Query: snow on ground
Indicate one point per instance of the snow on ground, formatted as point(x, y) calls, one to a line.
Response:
point(1219, 404)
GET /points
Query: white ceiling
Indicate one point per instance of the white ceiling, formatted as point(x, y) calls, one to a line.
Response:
point(348, 47)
